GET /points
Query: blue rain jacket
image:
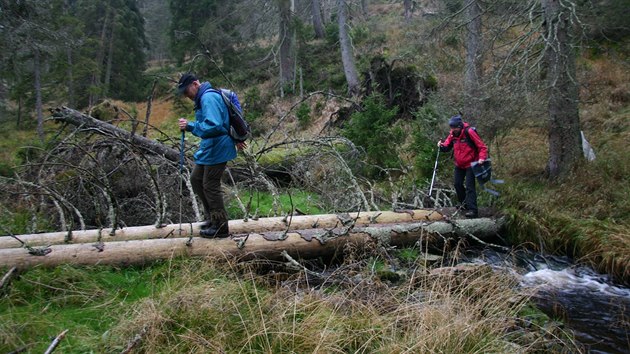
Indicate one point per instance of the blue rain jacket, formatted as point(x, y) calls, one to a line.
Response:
point(211, 124)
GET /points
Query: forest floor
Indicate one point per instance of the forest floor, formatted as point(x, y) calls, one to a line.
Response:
point(194, 305)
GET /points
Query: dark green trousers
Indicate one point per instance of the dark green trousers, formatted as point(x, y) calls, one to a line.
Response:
point(206, 183)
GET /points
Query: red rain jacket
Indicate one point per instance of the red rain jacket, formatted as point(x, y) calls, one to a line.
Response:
point(463, 152)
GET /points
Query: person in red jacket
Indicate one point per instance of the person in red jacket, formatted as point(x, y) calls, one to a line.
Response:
point(467, 147)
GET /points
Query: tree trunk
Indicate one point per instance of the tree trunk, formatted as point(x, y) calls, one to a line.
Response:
point(298, 244)
point(564, 120)
point(407, 5)
point(347, 58)
point(69, 72)
point(96, 75)
point(364, 8)
point(38, 95)
point(287, 57)
point(317, 19)
point(71, 98)
point(110, 61)
point(326, 221)
point(19, 112)
point(474, 62)
point(327, 6)
point(68, 115)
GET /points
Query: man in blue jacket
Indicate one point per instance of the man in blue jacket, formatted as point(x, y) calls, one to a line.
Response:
point(215, 150)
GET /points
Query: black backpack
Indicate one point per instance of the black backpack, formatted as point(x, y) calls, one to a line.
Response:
point(483, 171)
point(239, 128)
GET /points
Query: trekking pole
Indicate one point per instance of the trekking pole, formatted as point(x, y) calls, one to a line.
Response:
point(434, 171)
point(181, 175)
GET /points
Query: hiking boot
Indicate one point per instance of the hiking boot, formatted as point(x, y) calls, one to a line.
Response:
point(213, 231)
point(471, 214)
point(206, 224)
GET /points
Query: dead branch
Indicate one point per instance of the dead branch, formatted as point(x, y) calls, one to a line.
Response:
point(6, 279)
point(85, 122)
point(135, 341)
point(56, 342)
point(148, 114)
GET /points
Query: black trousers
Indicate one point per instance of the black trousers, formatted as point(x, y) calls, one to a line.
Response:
point(206, 183)
point(466, 195)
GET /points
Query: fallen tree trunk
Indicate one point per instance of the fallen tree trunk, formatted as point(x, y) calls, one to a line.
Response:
point(76, 118)
point(298, 244)
point(236, 227)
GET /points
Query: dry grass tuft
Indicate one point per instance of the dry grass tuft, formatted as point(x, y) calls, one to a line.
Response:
point(524, 154)
point(472, 310)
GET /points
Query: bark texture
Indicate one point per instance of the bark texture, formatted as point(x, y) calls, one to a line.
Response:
point(38, 93)
point(317, 19)
point(408, 7)
point(347, 57)
point(474, 62)
point(291, 223)
point(298, 244)
point(564, 120)
point(287, 50)
point(76, 118)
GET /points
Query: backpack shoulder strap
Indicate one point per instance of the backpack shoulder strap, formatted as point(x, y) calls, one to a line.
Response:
point(468, 140)
point(223, 94)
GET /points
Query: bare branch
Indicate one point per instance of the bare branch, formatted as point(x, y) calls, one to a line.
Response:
point(55, 342)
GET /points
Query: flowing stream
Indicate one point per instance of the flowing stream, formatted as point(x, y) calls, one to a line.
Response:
point(595, 309)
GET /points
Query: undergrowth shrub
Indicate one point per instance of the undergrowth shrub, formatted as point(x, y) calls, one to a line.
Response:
point(332, 33)
point(303, 114)
point(254, 106)
point(424, 142)
point(373, 130)
point(21, 220)
point(6, 170)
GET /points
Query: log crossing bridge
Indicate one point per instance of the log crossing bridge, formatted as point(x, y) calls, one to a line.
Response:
point(297, 236)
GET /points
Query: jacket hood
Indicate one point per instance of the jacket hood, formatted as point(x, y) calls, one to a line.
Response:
point(205, 86)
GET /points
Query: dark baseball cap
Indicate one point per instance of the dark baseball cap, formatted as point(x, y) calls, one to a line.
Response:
point(184, 81)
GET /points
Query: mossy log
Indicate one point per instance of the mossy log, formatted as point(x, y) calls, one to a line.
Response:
point(261, 225)
point(308, 243)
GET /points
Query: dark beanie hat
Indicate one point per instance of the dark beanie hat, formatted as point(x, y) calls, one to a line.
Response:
point(184, 81)
point(456, 121)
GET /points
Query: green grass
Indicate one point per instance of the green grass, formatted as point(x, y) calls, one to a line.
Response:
point(262, 203)
point(42, 303)
point(11, 140)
